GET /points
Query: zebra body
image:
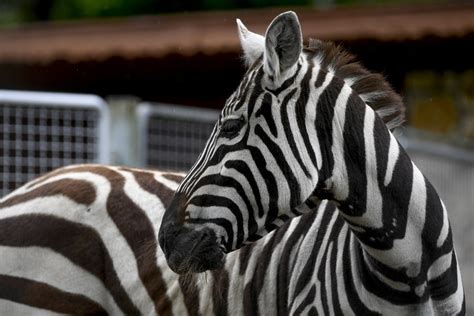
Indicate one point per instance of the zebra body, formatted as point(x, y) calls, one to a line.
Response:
point(314, 265)
point(83, 240)
point(310, 124)
point(65, 249)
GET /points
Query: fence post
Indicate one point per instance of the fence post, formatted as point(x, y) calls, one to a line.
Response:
point(124, 144)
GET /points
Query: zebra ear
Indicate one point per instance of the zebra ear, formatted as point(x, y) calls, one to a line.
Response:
point(252, 44)
point(283, 44)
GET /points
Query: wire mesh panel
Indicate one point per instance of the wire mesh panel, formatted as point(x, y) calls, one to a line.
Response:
point(173, 136)
point(43, 131)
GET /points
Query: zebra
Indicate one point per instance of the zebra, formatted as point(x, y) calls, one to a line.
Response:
point(83, 240)
point(311, 125)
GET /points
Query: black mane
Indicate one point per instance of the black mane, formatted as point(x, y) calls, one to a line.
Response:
point(371, 87)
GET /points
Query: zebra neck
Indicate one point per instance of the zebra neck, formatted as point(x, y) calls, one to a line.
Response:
point(384, 198)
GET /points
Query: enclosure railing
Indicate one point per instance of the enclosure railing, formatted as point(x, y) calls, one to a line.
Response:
point(171, 137)
point(41, 131)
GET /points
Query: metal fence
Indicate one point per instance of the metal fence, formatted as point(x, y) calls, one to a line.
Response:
point(42, 131)
point(171, 136)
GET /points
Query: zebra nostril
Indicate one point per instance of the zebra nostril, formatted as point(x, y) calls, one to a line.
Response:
point(203, 238)
point(206, 239)
point(205, 234)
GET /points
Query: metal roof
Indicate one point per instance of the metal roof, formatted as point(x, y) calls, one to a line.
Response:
point(188, 34)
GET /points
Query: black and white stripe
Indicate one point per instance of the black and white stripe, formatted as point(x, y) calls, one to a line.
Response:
point(315, 125)
point(65, 250)
point(83, 239)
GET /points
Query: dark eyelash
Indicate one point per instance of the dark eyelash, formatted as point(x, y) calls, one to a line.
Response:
point(231, 127)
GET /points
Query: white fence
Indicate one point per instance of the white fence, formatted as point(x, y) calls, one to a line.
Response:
point(42, 131)
point(172, 137)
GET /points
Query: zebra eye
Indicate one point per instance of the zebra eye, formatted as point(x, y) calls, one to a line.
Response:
point(231, 127)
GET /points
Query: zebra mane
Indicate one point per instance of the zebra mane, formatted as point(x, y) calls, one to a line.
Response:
point(372, 88)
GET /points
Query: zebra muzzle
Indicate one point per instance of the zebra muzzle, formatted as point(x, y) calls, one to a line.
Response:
point(190, 251)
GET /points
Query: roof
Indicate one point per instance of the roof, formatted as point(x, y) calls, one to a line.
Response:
point(188, 34)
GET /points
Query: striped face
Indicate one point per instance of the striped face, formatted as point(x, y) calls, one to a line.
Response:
point(254, 169)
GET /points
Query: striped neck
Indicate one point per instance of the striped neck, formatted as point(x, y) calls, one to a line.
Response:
point(382, 195)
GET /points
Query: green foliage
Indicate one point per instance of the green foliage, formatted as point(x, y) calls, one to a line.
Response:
point(73, 9)
point(21, 11)
point(93, 8)
point(236, 4)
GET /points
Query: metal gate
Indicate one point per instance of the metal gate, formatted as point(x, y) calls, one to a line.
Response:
point(171, 136)
point(41, 131)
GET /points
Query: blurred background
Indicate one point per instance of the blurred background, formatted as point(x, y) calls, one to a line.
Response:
point(141, 82)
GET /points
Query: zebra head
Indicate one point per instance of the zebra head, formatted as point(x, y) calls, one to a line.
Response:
point(267, 153)
point(251, 171)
